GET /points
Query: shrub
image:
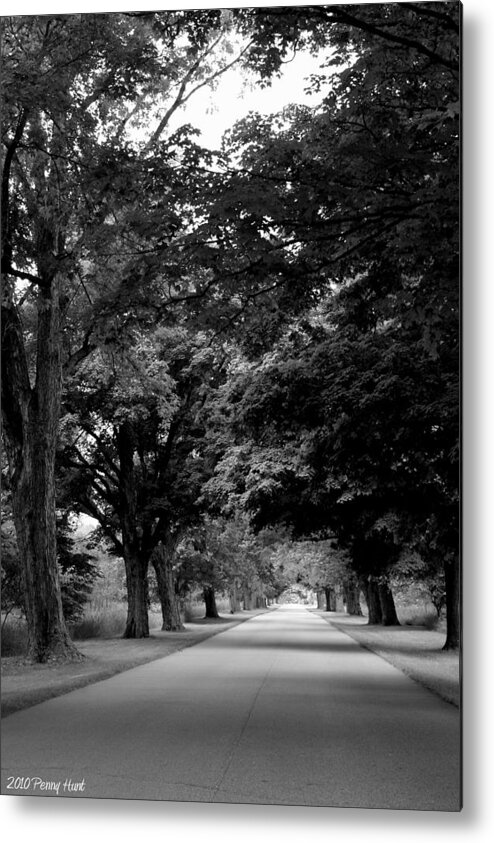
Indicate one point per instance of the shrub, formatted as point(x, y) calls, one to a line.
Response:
point(78, 574)
point(99, 622)
point(14, 636)
point(106, 619)
point(416, 615)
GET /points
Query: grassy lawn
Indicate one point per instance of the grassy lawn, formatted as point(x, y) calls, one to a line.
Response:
point(25, 684)
point(414, 650)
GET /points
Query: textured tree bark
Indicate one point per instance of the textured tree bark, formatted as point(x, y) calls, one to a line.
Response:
point(247, 599)
point(373, 602)
point(136, 560)
point(321, 600)
point(210, 602)
point(453, 587)
point(351, 596)
point(235, 605)
point(170, 612)
point(137, 623)
point(388, 609)
point(330, 596)
point(30, 426)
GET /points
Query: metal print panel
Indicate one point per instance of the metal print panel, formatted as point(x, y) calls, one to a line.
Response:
point(230, 402)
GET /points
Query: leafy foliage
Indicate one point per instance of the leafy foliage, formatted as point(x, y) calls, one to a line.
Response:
point(226, 555)
point(78, 573)
point(264, 337)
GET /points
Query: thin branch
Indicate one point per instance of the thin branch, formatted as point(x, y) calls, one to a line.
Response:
point(179, 99)
point(130, 115)
point(5, 190)
point(189, 297)
point(26, 294)
point(218, 72)
point(93, 510)
point(101, 88)
point(104, 490)
point(424, 9)
point(340, 16)
point(182, 98)
point(78, 356)
point(81, 279)
point(24, 276)
point(103, 449)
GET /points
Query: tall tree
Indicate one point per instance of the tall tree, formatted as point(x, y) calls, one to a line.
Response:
point(74, 86)
point(131, 453)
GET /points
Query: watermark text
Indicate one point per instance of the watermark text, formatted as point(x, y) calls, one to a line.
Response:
point(35, 784)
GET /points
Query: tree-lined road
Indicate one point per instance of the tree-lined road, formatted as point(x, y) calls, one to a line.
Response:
point(283, 709)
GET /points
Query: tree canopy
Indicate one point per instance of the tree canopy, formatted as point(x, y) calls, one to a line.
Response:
point(201, 345)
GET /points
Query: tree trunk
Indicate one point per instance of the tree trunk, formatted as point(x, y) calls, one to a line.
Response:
point(162, 563)
point(30, 426)
point(235, 605)
point(137, 624)
point(351, 596)
point(330, 596)
point(48, 637)
point(248, 600)
point(453, 586)
point(136, 561)
point(373, 602)
point(210, 602)
point(321, 600)
point(388, 609)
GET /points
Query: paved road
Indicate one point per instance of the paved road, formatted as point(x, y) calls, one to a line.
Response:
point(283, 709)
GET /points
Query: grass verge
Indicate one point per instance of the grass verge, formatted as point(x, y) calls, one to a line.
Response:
point(25, 684)
point(415, 651)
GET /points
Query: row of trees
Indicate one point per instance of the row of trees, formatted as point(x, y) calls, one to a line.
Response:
point(344, 416)
point(268, 331)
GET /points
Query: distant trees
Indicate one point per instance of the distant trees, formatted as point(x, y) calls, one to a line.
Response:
point(319, 566)
point(224, 555)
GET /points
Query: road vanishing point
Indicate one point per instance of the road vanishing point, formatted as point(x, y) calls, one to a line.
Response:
point(283, 709)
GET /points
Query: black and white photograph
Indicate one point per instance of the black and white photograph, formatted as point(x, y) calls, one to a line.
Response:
point(231, 405)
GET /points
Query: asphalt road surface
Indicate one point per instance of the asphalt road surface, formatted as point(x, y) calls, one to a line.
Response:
point(283, 709)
